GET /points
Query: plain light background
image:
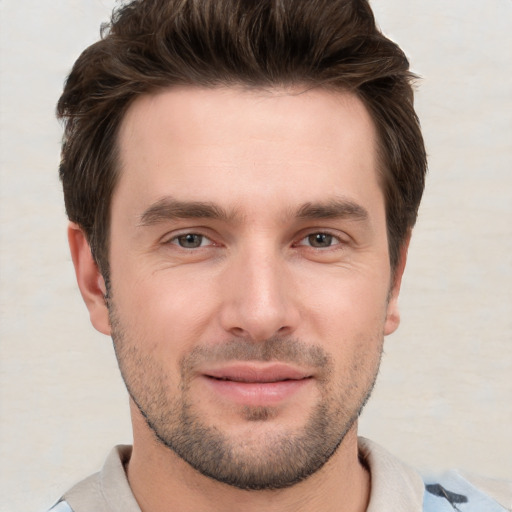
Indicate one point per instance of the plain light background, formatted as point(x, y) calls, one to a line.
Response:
point(444, 396)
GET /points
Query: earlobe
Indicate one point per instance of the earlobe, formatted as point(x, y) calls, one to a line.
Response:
point(90, 281)
point(393, 311)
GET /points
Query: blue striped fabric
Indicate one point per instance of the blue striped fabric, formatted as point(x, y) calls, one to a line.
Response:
point(452, 493)
point(62, 506)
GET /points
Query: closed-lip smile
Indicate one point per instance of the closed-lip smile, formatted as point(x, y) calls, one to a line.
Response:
point(251, 372)
point(257, 384)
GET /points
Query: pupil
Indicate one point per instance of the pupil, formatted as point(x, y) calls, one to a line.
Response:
point(190, 240)
point(320, 240)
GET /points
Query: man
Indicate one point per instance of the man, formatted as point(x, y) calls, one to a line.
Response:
point(242, 179)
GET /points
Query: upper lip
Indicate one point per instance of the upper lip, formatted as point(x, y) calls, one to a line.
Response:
point(257, 373)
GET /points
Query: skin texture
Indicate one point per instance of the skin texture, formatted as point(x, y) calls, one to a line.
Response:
point(250, 293)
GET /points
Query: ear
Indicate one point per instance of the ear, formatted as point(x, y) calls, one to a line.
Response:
point(393, 312)
point(90, 281)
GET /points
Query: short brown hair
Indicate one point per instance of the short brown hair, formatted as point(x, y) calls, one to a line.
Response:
point(153, 44)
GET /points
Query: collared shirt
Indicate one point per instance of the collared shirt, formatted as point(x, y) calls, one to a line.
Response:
point(395, 487)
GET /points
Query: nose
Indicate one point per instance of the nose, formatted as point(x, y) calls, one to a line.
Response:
point(259, 299)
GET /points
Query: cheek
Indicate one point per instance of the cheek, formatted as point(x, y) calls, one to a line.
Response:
point(166, 308)
point(346, 305)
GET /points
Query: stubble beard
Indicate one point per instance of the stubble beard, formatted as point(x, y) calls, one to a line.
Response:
point(280, 458)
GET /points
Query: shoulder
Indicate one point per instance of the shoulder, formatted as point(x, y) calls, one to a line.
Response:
point(397, 487)
point(106, 491)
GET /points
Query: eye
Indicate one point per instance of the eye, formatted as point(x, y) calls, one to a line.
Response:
point(191, 240)
point(320, 240)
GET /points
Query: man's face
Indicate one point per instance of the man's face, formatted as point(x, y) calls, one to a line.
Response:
point(250, 278)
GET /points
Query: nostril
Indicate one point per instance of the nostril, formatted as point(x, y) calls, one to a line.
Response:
point(284, 330)
point(238, 332)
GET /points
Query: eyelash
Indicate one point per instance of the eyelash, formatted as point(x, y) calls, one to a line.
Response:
point(330, 238)
point(175, 240)
point(326, 234)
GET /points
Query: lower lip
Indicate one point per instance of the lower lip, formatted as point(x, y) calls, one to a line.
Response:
point(257, 393)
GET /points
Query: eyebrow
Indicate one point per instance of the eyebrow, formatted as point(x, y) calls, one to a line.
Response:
point(334, 209)
point(169, 208)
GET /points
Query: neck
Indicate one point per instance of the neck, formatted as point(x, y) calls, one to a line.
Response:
point(161, 481)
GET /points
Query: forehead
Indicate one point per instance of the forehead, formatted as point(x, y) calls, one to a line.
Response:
point(197, 143)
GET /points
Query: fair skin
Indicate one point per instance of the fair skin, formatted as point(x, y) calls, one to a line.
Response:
point(250, 293)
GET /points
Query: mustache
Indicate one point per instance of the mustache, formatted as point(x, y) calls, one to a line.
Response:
point(277, 348)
